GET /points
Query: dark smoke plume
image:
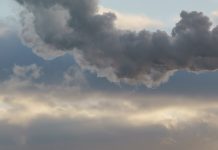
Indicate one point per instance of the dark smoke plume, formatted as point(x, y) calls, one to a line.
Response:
point(143, 57)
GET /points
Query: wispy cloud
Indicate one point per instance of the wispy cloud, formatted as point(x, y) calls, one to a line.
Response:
point(4, 29)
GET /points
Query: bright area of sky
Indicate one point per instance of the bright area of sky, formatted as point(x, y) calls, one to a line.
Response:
point(160, 8)
point(166, 11)
point(7, 8)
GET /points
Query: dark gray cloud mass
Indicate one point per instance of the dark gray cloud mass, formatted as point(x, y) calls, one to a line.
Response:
point(142, 57)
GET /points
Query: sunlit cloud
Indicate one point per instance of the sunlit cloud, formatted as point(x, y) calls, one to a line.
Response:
point(132, 21)
point(23, 110)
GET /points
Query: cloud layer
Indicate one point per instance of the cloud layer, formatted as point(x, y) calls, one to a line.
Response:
point(36, 115)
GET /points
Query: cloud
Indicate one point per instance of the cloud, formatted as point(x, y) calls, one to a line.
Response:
point(32, 39)
point(4, 29)
point(65, 113)
point(24, 101)
point(32, 71)
point(58, 117)
point(38, 115)
point(26, 96)
point(214, 17)
point(131, 21)
point(74, 76)
point(142, 57)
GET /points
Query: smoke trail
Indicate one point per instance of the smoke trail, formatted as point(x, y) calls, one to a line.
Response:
point(143, 57)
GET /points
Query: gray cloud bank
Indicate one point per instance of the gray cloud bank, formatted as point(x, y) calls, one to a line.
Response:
point(142, 57)
point(36, 115)
point(39, 116)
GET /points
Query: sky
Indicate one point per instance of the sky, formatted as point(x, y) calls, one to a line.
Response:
point(108, 74)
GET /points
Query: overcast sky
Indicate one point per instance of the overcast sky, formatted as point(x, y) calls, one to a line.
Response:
point(108, 74)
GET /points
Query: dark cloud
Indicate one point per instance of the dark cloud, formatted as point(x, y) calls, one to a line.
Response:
point(143, 57)
point(47, 133)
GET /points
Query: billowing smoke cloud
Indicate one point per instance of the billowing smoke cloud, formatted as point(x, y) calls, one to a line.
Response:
point(143, 57)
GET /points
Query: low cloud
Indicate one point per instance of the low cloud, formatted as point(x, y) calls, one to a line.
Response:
point(38, 115)
point(48, 118)
point(24, 95)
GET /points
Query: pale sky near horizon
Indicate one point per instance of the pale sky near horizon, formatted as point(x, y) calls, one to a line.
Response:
point(165, 11)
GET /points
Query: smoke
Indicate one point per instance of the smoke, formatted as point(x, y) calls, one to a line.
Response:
point(141, 57)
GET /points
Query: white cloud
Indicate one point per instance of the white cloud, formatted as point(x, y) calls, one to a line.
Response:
point(214, 17)
point(132, 21)
point(4, 29)
point(74, 76)
point(31, 71)
point(215, 13)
